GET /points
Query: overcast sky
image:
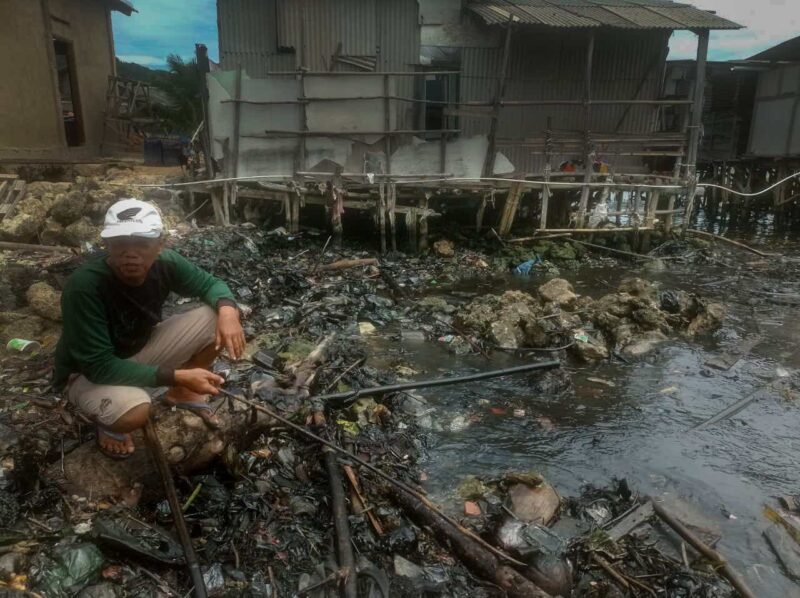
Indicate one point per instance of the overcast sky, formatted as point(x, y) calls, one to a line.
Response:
point(164, 27)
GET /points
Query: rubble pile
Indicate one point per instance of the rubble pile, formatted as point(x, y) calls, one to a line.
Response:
point(70, 213)
point(630, 322)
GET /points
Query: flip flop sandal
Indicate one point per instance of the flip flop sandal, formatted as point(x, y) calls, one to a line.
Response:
point(114, 436)
point(196, 407)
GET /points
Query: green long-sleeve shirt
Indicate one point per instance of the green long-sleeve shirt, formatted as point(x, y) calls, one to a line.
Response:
point(107, 321)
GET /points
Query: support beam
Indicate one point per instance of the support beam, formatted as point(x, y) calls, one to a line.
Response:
point(697, 103)
point(411, 226)
point(587, 115)
point(387, 124)
point(203, 68)
point(423, 223)
point(491, 150)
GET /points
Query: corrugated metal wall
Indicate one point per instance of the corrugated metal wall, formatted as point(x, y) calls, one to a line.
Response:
point(260, 34)
point(552, 65)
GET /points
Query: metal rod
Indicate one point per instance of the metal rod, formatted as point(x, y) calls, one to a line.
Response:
point(157, 452)
point(381, 390)
point(396, 483)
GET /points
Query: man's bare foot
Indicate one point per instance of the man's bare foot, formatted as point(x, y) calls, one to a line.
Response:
point(115, 444)
point(183, 398)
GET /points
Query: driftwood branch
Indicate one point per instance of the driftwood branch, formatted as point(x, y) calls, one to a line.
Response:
point(701, 233)
point(480, 560)
point(715, 557)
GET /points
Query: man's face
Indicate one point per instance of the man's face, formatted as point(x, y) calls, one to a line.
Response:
point(132, 257)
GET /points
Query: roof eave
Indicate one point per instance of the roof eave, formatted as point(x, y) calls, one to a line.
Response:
point(123, 6)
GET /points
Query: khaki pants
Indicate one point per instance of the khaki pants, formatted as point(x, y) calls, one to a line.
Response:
point(172, 343)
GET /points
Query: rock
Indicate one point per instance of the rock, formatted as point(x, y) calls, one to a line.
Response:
point(100, 590)
point(40, 188)
point(80, 232)
point(68, 207)
point(33, 206)
point(649, 317)
point(623, 333)
point(591, 350)
point(472, 489)
point(710, 317)
point(557, 291)
point(637, 287)
point(302, 506)
point(644, 344)
point(45, 301)
point(444, 248)
point(21, 228)
point(405, 568)
point(52, 233)
point(12, 562)
point(535, 332)
point(619, 305)
point(98, 204)
point(500, 318)
point(506, 332)
point(537, 504)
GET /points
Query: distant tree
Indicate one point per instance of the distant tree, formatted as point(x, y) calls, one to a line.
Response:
point(183, 111)
point(174, 92)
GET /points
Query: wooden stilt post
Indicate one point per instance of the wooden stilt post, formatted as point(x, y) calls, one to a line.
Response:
point(287, 211)
point(668, 220)
point(216, 203)
point(480, 214)
point(411, 225)
point(510, 209)
point(697, 103)
point(237, 119)
point(589, 160)
point(548, 166)
point(391, 198)
point(423, 223)
point(382, 214)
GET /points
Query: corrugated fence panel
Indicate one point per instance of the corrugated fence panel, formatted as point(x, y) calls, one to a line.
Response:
point(327, 23)
point(399, 30)
point(552, 66)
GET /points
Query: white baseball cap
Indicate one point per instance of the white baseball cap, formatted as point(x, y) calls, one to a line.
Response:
point(132, 218)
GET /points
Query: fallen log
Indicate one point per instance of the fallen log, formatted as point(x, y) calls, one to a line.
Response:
point(189, 444)
point(345, 264)
point(478, 559)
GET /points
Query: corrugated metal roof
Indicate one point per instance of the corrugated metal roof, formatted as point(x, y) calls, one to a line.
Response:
point(637, 14)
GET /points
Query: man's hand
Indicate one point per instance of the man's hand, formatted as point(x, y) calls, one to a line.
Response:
point(230, 334)
point(199, 380)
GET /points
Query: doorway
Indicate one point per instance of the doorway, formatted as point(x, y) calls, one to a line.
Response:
point(70, 104)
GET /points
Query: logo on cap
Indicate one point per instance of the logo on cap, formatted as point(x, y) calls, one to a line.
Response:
point(127, 215)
